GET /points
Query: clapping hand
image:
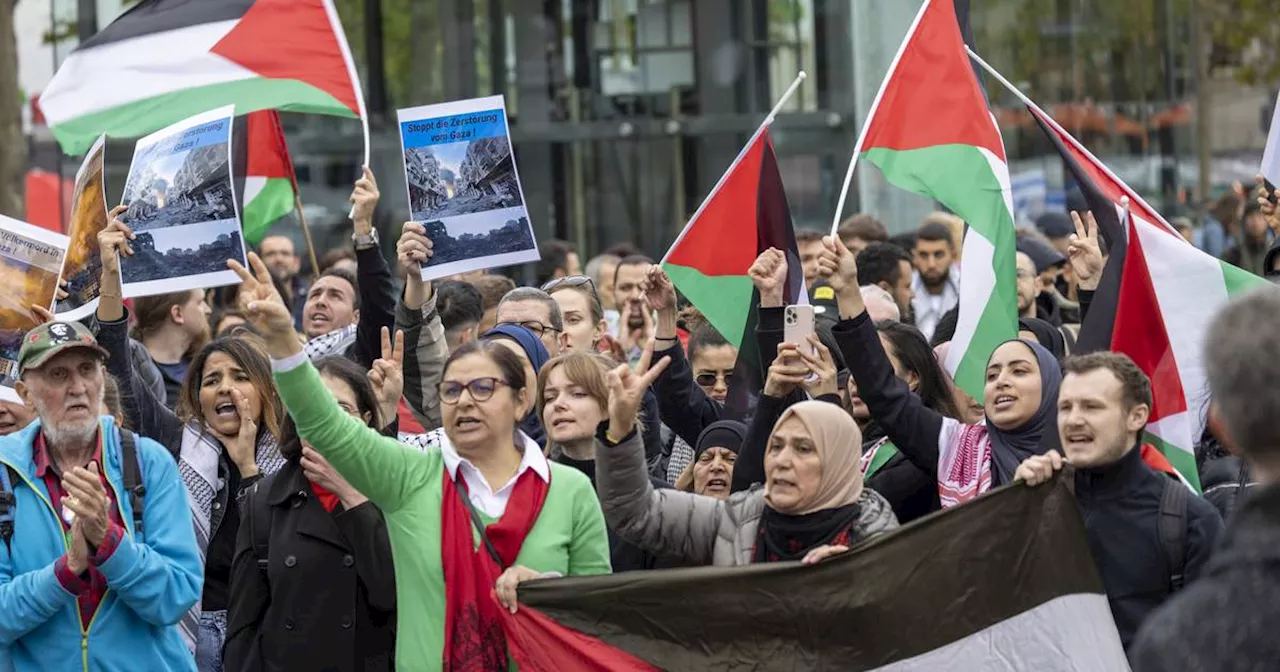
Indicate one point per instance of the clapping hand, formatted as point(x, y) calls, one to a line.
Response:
point(387, 376)
point(88, 500)
point(263, 306)
point(1084, 251)
point(626, 391)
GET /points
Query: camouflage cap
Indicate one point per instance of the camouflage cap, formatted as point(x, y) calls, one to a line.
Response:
point(51, 338)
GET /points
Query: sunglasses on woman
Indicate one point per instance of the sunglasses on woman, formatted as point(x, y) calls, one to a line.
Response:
point(569, 281)
point(709, 379)
point(481, 389)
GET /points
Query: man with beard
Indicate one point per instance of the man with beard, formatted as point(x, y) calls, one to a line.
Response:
point(278, 254)
point(628, 290)
point(888, 267)
point(937, 278)
point(83, 584)
point(344, 313)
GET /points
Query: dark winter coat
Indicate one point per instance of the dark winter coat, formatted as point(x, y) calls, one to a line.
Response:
point(1120, 504)
point(1225, 622)
point(327, 600)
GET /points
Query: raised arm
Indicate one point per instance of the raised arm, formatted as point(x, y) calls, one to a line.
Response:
point(418, 316)
point(684, 407)
point(379, 467)
point(912, 426)
point(147, 414)
point(377, 289)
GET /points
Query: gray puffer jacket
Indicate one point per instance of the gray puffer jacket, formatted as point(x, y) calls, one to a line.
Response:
point(701, 530)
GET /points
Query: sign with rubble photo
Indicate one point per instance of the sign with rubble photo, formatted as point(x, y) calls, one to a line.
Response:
point(463, 186)
point(182, 208)
point(30, 262)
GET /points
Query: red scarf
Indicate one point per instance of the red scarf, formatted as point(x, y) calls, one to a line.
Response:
point(472, 627)
point(327, 499)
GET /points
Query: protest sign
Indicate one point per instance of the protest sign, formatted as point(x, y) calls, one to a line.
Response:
point(463, 186)
point(182, 208)
point(30, 262)
point(83, 268)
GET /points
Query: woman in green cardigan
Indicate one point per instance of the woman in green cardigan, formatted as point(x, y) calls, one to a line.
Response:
point(540, 519)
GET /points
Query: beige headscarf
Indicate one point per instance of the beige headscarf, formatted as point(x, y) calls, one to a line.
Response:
point(839, 444)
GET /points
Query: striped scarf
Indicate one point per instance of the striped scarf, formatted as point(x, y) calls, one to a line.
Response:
point(964, 463)
point(333, 343)
point(198, 464)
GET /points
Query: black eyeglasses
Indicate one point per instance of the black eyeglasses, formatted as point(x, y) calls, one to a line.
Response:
point(709, 379)
point(569, 281)
point(537, 328)
point(481, 389)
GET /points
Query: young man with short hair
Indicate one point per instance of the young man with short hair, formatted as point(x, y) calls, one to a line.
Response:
point(888, 267)
point(1103, 407)
point(861, 230)
point(937, 278)
point(809, 246)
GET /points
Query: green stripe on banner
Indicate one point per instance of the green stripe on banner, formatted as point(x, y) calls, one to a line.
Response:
point(141, 117)
point(273, 202)
point(725, 300)
point(1182, 460)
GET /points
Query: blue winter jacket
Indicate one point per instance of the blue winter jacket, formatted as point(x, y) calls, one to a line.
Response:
point(151, 582)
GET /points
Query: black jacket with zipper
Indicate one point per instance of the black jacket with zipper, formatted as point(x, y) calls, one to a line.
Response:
point(327, 598)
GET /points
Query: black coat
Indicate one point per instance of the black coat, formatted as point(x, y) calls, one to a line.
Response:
point(327, 599)
point(1120, 504)
point(1226, 621)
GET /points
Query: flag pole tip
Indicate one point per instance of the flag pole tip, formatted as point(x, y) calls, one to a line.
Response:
point(802, 75)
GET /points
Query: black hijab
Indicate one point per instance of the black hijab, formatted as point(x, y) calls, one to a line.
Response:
point(1048, 335)
point(1039, 434)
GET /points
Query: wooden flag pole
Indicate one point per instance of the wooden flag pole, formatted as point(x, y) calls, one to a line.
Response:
point(306, 232)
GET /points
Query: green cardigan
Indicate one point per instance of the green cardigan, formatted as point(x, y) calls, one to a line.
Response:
point(406, 484)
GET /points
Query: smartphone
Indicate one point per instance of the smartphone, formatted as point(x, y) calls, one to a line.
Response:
point(798, 325)
point(1271, 191)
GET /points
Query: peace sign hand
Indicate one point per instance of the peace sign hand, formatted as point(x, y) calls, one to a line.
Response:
point(387, 376)
point(264, 308)
point(626, 391)
point(1084, 251)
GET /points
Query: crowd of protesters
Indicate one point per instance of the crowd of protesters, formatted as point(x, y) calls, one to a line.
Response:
point(334, 472)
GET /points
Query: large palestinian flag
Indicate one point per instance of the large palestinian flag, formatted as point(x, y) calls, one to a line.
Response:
point(165, 60)
point(930, 132)
point(745, 214)
point(1005, 582)
point(270, 186)
point(1153, 302)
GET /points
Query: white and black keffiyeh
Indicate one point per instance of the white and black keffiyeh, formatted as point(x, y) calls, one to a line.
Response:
point(336, 342)
point(198, 464)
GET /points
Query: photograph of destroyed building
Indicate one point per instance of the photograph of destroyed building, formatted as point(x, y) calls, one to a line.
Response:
point(184, 188)
point(501, 235)
point(461, 178)
point(192, 250)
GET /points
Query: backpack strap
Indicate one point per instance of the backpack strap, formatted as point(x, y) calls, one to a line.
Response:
point(7, 504)
point(133, 479)
point(1173, 530)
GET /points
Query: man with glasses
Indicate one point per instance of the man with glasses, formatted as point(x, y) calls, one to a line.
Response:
point(536, 311)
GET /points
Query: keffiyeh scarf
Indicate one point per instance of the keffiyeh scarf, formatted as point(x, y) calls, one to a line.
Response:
point(198, 464)
point(336, 342)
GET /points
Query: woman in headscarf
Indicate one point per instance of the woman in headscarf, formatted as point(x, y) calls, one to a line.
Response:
point(1021, 395)
point(479, 510)
point(711, 471)
point(533, 354)
point(812, 504)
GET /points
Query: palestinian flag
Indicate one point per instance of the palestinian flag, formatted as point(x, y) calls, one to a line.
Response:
point(165, 60)
point(270, 186)
point(930, 132)
point(1005, 582)
point(745, 214)
point(1153, 302)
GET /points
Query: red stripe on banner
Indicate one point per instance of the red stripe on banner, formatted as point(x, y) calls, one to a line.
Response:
point(537, 642)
